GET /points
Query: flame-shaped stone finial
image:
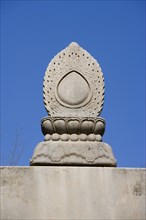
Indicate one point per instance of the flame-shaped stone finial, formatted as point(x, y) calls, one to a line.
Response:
point(73, 84)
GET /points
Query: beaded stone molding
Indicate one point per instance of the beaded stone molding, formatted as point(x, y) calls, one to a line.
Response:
point(73, 137)
point(73, 92)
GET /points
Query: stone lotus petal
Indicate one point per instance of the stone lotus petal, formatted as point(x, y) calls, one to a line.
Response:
point(47, 127)
point(73, 126)
point(99, 128)
point(87, 127)
point(60, 126)
point(52, 125)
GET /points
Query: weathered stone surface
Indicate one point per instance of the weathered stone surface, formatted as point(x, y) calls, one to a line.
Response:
point(73, 84)
point(73, 152)
point(73, 91)
point(72, 125)
point(72, 193)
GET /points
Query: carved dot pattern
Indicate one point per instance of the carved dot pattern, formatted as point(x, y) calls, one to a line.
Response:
point(73, 58)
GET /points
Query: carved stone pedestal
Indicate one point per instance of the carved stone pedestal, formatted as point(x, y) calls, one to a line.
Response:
point(73, 153)
point(73, 97)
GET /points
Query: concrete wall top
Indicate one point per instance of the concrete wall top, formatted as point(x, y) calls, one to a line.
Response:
point(72, 193)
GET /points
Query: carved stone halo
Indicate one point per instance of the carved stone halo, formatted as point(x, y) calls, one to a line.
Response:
point(73, 84)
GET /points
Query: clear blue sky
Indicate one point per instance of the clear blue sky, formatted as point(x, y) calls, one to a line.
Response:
point(33, 32)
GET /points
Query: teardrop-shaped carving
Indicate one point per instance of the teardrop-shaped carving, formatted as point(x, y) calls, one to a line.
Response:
point(73, 90)
point(73, 84)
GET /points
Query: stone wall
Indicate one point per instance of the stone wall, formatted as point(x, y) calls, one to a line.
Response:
point(72, 193)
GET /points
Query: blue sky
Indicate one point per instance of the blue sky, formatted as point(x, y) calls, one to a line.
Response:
point(33, 32)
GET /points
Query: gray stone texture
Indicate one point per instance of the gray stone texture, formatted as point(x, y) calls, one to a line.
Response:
point(71, 193)
point(73, 152)
point(73, 84)
point(73, 92)
point(71, 125)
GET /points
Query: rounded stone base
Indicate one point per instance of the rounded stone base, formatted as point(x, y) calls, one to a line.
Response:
point(73, 153)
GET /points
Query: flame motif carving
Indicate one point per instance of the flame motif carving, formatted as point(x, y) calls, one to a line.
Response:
point(73, 84)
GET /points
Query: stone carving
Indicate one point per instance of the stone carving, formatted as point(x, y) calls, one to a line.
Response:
point(73, 92)
point(75, 80)
point(73, 153)
point(73, 125)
